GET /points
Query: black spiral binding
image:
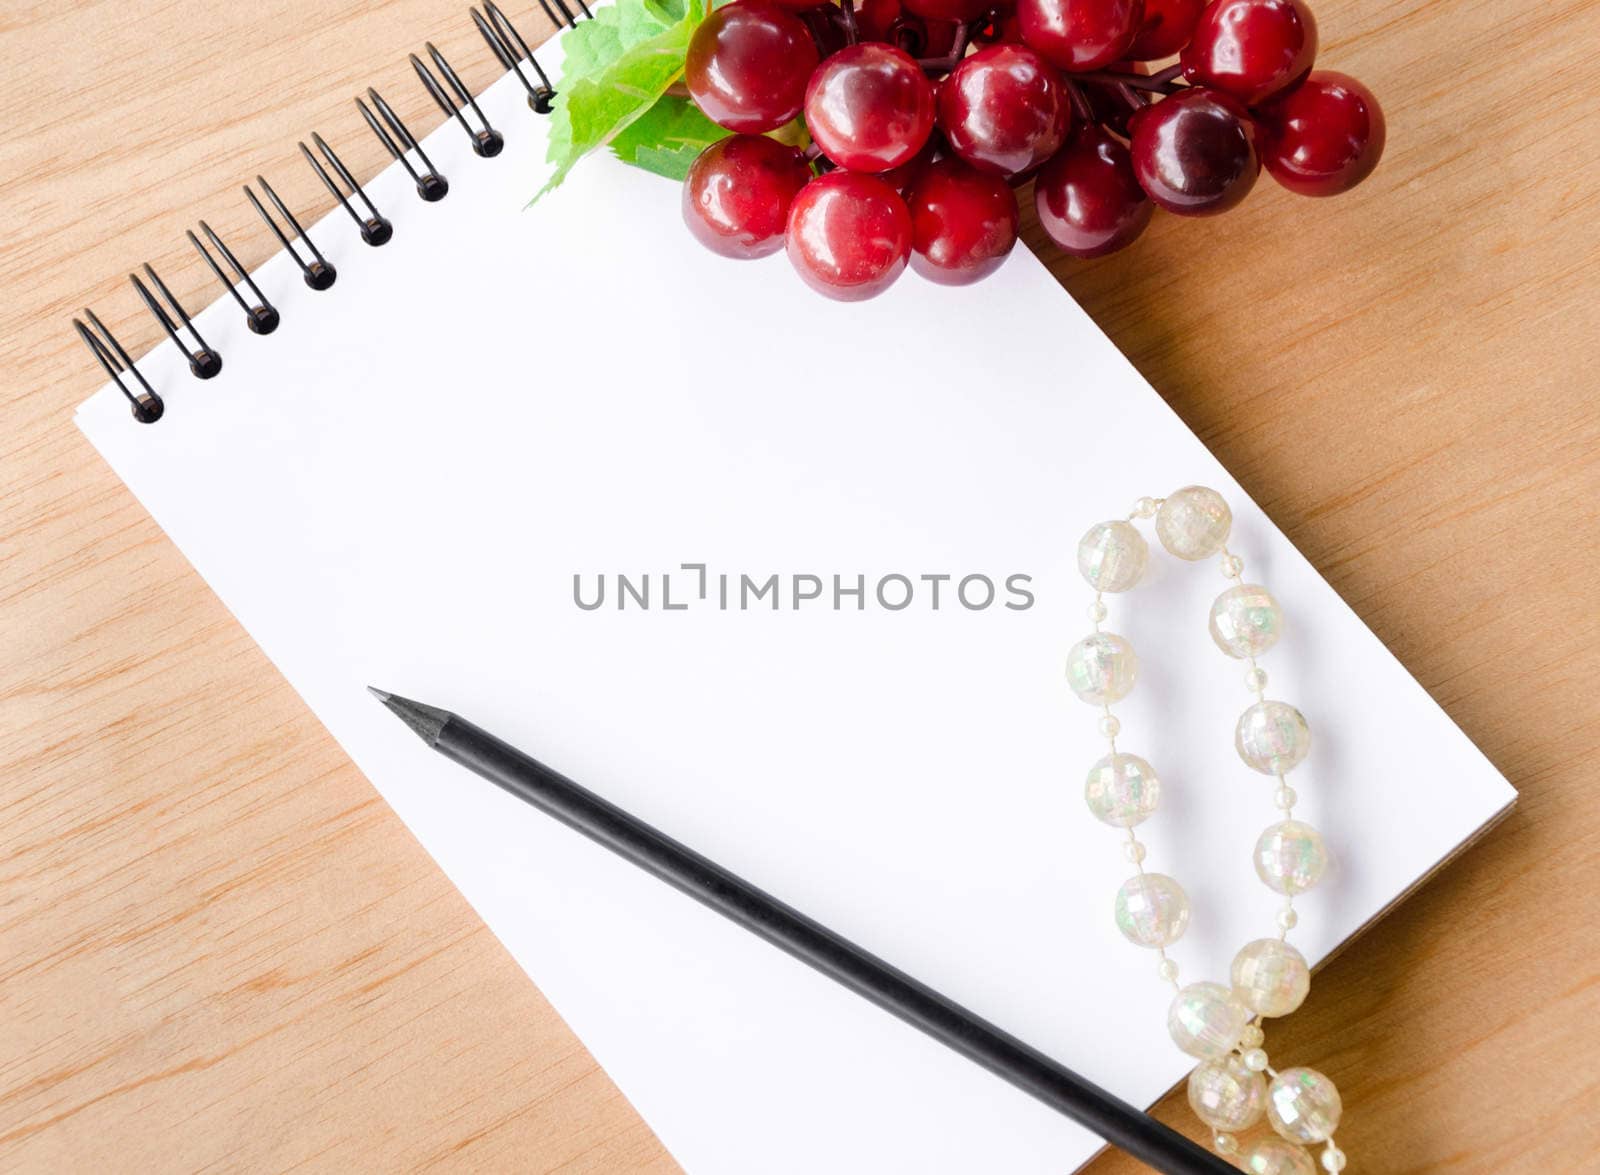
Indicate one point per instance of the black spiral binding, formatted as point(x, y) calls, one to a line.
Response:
point(319, 274)
point(510, 49)
point(147, 405)
point(566, 17)
point(261, 316)
point(487, 142)
point(375, 228)
point(203, 361)
point(431, 186)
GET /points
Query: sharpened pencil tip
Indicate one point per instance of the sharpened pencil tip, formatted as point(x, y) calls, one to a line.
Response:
point(427, 721)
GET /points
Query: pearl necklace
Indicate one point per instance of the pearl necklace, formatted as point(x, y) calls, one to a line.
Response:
point(1219, 1024)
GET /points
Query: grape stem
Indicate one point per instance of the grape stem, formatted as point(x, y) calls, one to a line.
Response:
point(1080, 102)
point(848, 11)
point(963, 35)
point(1134, 99)
point(1156, 83)
point(943, 65)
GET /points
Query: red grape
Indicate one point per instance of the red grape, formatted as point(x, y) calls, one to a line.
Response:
point(934, 38)
point(1324, 136)
point(737, 195)
point(829, 28)
point(1089, 201)
point(849, 235)
point(869, 107)
point(949, 9)
point(1004, 110)
point(1251, 49)
point(1080, 35)
point(1195, 152)
point(1167, 27)
point(748, 65)
point(875, 18)
point(884, 20)
point(963, 223)
point(903, 178)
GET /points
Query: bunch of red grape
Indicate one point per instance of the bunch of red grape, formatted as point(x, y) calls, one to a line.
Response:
point(924, 115)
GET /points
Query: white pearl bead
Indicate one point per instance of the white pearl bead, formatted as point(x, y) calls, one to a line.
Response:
point(1110, 727)
point(1112, 556)
point(1272, 737)
point(1287, 918)
point(1152, 910)
point(1225, 1095)
point(1255, 680)
point(1098, 611)
point(1101, 668)
point(1303, 1105)
point(1226, 1144)
point(1251, 1037)
point(1285, 797)
point(1134, 851)
point(1145, 508)
point(1168, 969)
point(1255, 1060)
point(1246, 621)
point(1232, 566)
point(1290, 857)
point(1122, 790)
point(1193, 522)
point(1333, 1159)
point(1271, 977)
point(1205, 1020)
point(1274, 1156)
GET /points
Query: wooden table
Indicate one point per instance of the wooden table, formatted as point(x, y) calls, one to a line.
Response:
point(218, 947)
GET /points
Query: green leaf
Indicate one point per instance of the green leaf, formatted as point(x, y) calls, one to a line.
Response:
point(616, 68)
point(667, 138)
point(593, 45)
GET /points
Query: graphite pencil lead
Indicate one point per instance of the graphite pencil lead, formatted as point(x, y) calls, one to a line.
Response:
point(426, 720)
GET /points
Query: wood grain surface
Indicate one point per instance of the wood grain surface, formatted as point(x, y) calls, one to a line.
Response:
point(220, 950)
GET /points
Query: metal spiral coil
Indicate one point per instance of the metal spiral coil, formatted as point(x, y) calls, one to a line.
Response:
point(451, 95)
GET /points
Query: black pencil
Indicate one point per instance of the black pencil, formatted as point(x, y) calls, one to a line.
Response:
point(1026, 1067)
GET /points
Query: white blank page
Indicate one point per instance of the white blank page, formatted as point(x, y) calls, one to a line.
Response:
point(399, 485)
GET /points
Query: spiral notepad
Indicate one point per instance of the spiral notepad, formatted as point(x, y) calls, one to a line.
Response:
point(437, 402)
